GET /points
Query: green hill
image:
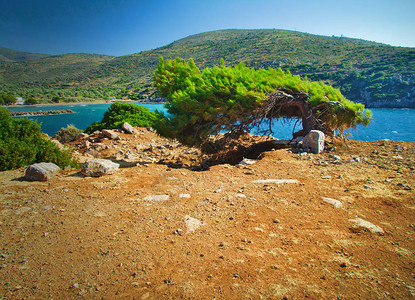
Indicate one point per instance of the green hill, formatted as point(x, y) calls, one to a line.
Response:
point(10, 55)
point(376, 74)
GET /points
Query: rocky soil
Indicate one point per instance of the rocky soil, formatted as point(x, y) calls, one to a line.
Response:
point(171, 223)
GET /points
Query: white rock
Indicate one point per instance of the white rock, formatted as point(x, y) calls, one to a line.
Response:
point(184, 196)
point(314, 141)
point(276, 181)
point(110, 134)
point(41, 172)
point(129, 129)
point(240, 196)
point(334, 202)
point(157, 198)
point(99, 167)
point(360, 223)
point(191, 223)
point(247, 162)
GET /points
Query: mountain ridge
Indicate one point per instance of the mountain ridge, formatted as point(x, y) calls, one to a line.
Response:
point(375, 74)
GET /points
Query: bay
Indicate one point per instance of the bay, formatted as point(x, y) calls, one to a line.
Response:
point(393, 124)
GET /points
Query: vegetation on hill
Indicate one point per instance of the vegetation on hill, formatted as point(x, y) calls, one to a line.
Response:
point(202, 103)
point(118, 113)
point(22, 143)
point(18, 56)
point(367, 72)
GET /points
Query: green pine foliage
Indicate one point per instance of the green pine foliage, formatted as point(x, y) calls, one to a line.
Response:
point(201, 103)
point(22, 143)
point(118, 113)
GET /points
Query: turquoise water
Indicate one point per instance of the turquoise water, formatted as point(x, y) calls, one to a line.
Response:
point(393, 124)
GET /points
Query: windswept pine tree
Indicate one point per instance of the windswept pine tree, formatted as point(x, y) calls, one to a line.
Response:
point(205, 102)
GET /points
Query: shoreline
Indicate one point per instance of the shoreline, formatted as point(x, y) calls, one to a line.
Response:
point(83, 103)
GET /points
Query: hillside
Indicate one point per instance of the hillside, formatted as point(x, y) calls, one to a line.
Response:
point(10, 55)
point(376, 74)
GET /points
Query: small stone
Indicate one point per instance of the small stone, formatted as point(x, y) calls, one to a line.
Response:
point(368, 187)
point(247, 162)
point(240, 196)
point(157, 198)
point(22, 210)
point(334, 202)
point(184, 196)
point(326, 177)
point(191, 223)
point(276, 181)
point(362, 224)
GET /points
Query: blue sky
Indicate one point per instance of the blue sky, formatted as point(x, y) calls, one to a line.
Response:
point(120, 27)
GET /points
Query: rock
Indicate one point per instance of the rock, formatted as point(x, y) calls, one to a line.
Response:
point(129, 129)
point(334, 202)
point(191, 223)
point(22, 210)
point(41, 172)
point(247, 162)
point(99, 167)
point(187, 196)
point(276, 181)
point(82, 136)
point(335, 157)
point(57, 143)
point(157, 198)
point(314, 141)
point(362, 224)
point(368, 187)
point(110, 134)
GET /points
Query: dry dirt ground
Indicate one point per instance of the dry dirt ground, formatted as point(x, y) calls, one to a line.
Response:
point(220, 234)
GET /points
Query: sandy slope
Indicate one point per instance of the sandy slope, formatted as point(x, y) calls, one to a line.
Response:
point(220, 234)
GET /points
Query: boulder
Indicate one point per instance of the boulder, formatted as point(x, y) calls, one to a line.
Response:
point(110, 134)
point(314, 141)
point(99, 167)
point(129, 129)
point(41, 172)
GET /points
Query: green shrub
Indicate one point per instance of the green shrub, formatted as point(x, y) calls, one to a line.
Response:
point(68, 134)
point(118, 113)
point(22, 143)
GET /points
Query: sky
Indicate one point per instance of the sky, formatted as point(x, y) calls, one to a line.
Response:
point(121, 27)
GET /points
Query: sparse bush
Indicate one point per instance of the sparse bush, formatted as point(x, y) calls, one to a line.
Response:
point(22, 143)
point(118, 113)
point(68, 134)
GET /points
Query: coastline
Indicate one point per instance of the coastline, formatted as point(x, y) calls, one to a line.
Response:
point(84, 103)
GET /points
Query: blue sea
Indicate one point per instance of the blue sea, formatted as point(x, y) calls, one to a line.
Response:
point(393, 124)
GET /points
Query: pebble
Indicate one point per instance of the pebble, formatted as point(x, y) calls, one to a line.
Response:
point(334, 202)
point(326, 177)
point(276, 181)
point(192, 223)
point(22, 210)
point(360, 223)
point(157, 198)
point(184, 196)
point(368, 187)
